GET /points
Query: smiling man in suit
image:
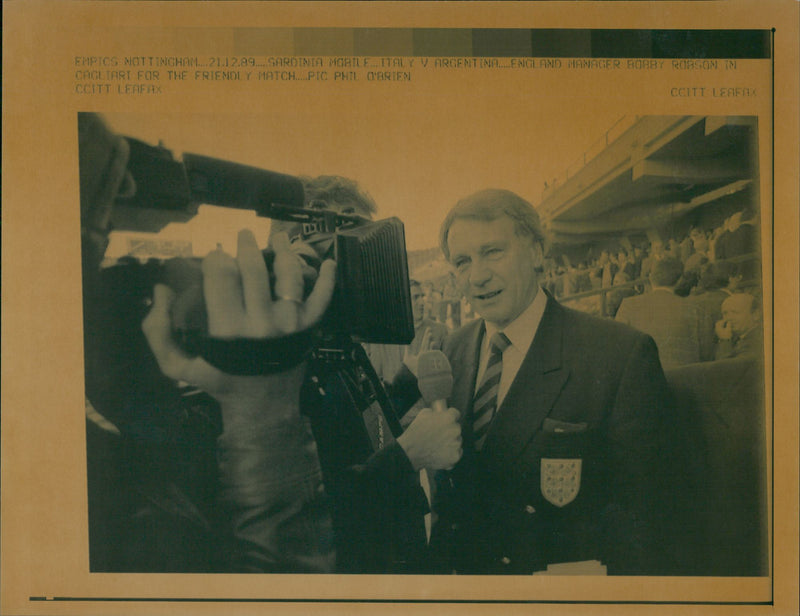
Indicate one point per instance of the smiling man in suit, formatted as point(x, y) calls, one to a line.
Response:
point(563, 416)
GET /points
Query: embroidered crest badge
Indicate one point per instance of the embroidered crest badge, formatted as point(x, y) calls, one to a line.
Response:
point(561, 480)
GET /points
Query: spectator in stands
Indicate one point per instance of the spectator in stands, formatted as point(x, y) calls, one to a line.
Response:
point(582, 278)
point(558, 281)
point(739, 330)
point(452, 299)
point(636, 261)
point(626, 269)
point(738, 238)
point(427, 290)
point(595, 275)
point(623, 274)
point(570, 282)
point(700, 246)
point(656, 252)
point(686, 248)
point(674, 249)
point(708, 295)
point(675, 323)
point(713, 286)
point(609, 268)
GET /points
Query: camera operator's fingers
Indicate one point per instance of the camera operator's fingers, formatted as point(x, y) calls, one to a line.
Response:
point(288, 285)
point(320, 297)
point(157, 328)
point(222, 288)
point(288, 269)
point(174, 363)
point(255, 285)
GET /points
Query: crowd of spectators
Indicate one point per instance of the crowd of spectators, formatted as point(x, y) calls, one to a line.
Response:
point(676, 289)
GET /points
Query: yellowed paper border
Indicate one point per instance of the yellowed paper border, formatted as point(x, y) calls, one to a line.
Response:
point(44, 534)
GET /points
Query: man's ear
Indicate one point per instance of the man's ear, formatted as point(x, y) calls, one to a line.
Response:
point(537, 251)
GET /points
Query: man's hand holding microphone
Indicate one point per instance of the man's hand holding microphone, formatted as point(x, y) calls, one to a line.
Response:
point(433, 440)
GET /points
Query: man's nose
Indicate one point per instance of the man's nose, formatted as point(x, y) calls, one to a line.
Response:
point(480, 273)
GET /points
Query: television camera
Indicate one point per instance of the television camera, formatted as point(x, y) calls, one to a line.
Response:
point(371, 301)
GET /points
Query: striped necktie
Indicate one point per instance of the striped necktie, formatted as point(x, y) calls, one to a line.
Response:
point(485, 402)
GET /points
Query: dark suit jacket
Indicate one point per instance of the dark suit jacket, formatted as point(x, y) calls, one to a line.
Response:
point(590, 392)
point(678, 326)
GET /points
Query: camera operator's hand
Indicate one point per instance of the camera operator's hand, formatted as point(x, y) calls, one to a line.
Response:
point(240, 305)
point(433, 440)
point(239, 298)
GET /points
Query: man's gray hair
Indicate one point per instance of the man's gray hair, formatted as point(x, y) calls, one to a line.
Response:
point(490, 204)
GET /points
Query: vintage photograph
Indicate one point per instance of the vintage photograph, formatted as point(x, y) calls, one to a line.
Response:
point(363, 307)
point(571, 383)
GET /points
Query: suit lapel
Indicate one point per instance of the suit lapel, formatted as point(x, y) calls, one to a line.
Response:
point(532, 394)
point(465, 357)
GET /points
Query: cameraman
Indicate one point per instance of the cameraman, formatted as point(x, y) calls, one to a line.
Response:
point(270, 484)
point(272, 502)
point(155, 494)
point(377, 506)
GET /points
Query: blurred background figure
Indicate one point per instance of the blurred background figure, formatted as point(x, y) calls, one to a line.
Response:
point(396, 364)
point(739, 330)
point(675, 323)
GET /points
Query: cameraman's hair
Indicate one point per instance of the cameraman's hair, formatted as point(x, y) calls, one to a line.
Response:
point(489, 205)
point(335, 189)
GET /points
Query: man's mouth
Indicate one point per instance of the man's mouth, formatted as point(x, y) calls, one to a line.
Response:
point(490, 295)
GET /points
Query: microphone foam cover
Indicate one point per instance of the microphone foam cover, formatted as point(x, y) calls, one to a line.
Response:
point(434, 376)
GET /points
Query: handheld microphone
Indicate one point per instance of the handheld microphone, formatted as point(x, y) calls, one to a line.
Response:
point(435, 382)
point(435, 379)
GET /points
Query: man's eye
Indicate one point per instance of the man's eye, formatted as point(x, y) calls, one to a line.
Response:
point(494, 253)
point(460, 264)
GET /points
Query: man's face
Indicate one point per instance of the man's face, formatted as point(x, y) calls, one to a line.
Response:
point(495, 268)
point(738, 311)
point(699, 240)
point(417, 304)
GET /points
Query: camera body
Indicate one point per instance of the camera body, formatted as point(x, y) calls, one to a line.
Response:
point(371, 301)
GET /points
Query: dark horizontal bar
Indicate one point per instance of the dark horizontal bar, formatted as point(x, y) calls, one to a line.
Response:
point(398, 601)
point(506, 42)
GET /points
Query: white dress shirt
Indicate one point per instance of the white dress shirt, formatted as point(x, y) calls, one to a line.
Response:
point(520, 332)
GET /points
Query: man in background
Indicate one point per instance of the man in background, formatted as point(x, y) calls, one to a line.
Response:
point(675, 323)
point(739, 331)
point(396, 364)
